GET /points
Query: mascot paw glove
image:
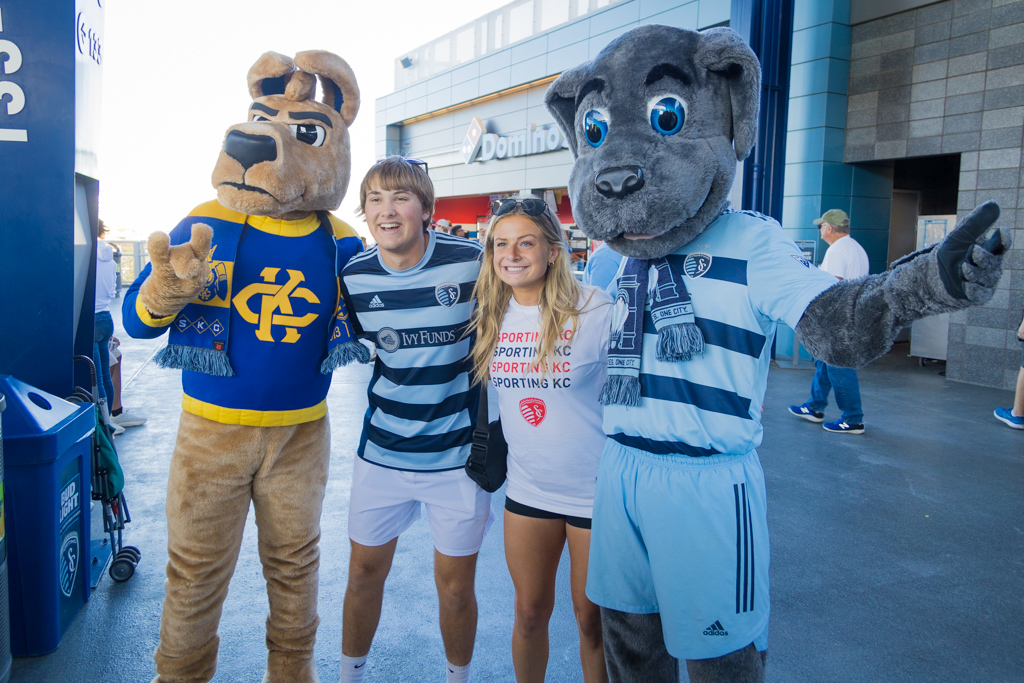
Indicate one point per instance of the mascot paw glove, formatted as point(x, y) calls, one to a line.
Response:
point(969, 265)
point(179, 272)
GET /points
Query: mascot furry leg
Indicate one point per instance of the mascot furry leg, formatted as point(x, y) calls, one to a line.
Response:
point(213, 478)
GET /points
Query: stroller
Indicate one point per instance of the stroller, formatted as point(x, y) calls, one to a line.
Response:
point(108, 481)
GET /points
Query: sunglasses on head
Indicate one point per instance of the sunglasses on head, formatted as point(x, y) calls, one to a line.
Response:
point(531, 206)
point(414, 162)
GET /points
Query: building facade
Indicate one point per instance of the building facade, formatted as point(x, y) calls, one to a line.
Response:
point(903, 113)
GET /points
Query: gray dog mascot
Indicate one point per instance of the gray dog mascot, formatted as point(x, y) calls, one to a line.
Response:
point(679, 553)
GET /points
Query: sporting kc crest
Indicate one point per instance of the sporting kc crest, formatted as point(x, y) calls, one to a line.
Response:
point(447, 294)
point(696, 264)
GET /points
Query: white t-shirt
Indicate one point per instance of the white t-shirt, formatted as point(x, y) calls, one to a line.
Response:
point(552, 421)
point(106, 275)
point(845, 258)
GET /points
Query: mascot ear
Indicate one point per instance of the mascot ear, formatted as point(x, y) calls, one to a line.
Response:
point(561, 102)
point(722, 50)
point(269, 75)
point(336, 80)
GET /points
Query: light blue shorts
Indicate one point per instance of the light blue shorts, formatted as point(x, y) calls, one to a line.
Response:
point(687, 538)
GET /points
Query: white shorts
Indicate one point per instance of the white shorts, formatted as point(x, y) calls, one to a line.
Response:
point(385, 502)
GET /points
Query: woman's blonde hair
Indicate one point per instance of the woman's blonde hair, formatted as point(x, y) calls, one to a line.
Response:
point(559, 298)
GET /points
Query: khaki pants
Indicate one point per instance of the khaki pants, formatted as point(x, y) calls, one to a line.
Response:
point(216, 470)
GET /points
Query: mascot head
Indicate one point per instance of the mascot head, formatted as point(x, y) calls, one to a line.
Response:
point(292, 155)
point(656, 124)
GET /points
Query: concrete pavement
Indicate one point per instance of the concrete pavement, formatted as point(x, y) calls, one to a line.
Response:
point(896, 554)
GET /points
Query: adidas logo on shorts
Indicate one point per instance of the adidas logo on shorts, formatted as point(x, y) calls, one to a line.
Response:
point(375, 302)
point(716, 629)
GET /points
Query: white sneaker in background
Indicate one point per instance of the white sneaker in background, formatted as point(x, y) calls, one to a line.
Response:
point(129, 419)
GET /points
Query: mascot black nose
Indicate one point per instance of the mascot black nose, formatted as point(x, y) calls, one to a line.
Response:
point(249, 150)
point(619, 181)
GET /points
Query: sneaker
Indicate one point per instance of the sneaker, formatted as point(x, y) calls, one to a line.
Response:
point(128, 419)
point(116, 429)
point(1006, 416)
point(843, 427)
point(807, 414)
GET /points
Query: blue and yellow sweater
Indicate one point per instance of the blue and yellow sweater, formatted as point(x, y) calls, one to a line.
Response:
point(274, 300)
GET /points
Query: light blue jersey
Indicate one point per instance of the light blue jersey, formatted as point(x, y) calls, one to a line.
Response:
point(744, 274)
point(422, 408)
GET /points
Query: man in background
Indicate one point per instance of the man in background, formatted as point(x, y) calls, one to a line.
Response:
point(845, 259)
point(1013, 417)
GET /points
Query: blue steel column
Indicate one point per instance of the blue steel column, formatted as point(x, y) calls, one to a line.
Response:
point(37, 185)
point(767, 25)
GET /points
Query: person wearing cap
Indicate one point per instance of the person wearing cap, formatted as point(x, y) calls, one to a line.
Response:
point(443, 225)
point(845, 259)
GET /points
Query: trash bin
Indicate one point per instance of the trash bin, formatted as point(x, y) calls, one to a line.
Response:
point(5, 621)
point(47, 446)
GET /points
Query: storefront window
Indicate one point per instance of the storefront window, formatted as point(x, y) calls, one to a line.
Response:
point(442, 53)
point(464, 45)
point(520, 21)
point(498, 31)
point(553, 13)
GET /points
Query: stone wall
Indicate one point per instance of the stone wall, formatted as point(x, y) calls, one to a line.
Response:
point(943, 79)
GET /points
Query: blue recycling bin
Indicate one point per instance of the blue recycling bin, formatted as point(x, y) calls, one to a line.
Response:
point(47, 444)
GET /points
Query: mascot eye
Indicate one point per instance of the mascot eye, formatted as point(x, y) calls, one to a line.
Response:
point(308, 133)
point(595, 126)
point(668, 115)
point(257, 117)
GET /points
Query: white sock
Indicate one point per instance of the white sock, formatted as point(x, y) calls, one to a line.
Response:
point(456, 674)
point(353, 669)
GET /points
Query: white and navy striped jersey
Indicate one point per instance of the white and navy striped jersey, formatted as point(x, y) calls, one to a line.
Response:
point(743, 274)
point(422, 408)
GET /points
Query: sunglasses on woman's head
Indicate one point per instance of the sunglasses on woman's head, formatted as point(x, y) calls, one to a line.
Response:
point(531, 206)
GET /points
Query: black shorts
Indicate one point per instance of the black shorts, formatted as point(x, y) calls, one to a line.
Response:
point(527, 511)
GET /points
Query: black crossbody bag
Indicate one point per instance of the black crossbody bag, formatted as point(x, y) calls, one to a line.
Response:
point(488, 459)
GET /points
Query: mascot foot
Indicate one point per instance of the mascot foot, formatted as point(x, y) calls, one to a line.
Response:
point(741, 666)
point(286, 668)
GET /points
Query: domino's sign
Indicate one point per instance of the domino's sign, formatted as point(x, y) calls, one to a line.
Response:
point(479, 145)
point(12, 96)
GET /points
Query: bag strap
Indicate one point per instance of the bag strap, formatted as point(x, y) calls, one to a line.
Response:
point(481, 432)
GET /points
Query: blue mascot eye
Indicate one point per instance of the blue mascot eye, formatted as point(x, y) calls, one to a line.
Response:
point(595, 126)
point(667, 116)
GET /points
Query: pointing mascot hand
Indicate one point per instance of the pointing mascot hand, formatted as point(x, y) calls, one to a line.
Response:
point(967, 264)
point(179, 272)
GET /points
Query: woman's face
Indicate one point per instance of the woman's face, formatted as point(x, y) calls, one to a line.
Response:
point(521, 257)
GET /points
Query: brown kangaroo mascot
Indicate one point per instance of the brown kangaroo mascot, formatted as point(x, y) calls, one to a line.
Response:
point(248, 288)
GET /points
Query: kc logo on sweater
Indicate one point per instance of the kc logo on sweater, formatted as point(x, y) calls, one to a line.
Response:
point(533, 410)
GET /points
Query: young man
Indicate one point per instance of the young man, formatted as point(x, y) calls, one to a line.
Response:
point(845, 259)
point(412, 296)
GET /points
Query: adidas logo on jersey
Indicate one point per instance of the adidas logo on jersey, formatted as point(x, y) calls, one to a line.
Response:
point(716, 629)
point(375, 302)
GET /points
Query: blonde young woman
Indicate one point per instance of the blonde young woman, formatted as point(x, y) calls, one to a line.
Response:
point(541, 340)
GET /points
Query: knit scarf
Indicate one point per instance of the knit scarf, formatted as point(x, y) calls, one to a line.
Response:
point(198, 340)
point(679, 338)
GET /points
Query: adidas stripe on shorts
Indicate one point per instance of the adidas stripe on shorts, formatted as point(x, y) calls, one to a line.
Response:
point(686, 537)
point(386, 502)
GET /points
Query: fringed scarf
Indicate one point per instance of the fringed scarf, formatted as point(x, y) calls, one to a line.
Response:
point(679, 338)
point(198, 339)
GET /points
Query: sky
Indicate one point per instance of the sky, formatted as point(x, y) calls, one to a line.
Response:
point(174, 81)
